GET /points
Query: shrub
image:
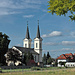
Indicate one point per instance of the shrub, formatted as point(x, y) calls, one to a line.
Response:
point(0, 70)
point(35, 68)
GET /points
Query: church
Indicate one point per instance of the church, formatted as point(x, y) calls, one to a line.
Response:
point(36, 51)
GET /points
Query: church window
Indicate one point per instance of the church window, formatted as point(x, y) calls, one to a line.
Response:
point(25, 45)
point(36, 45)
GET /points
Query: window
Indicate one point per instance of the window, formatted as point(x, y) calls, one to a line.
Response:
point(36, 45)
point(62, 56)
point(25, 45)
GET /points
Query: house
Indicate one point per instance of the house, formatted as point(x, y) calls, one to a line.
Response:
point(64, 58)
point(36, 51)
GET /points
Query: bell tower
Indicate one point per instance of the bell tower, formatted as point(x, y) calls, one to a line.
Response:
point(38, 44)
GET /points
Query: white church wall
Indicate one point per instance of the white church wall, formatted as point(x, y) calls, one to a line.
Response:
point(27, 42)
point(39, 45)
point(38, 48)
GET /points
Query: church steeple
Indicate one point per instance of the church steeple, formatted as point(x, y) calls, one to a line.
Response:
point(27, 32)
point(38, 44)
point(38, 31)
point(27, 40)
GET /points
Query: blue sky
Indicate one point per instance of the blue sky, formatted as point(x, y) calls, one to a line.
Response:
point(58, 33)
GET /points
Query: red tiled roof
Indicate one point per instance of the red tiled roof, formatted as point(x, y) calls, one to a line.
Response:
point(62, 57)
point(66, 56)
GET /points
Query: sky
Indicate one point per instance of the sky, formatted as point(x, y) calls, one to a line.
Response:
point(58, 32)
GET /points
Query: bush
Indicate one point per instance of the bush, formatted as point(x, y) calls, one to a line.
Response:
point(0, 70)
point(35, 68)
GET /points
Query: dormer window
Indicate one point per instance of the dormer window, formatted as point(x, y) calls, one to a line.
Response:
point(62, 56)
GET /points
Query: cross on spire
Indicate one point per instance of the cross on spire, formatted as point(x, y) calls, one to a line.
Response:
point(38, 22)
point(27, 23)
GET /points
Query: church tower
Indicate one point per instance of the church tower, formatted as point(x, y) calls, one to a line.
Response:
point(27, 40)
point(38, 44)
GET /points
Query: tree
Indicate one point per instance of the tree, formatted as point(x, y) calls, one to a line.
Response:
point(4, 42)
point(44, 59)
point(62, 7)
point(49, 60)
point(48, 55)
point(13, 55)
point(27, 57)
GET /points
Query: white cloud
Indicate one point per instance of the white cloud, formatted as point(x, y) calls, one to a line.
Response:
point(19, 4)
point(67, 49)
point(51, 43)
point(64, 43)
point(8, 13)
point(44, 35)
point(52, 34)
point(55, 33)
point(28, 16)
point(70, 43)
point(63, 49)
point(8, 7)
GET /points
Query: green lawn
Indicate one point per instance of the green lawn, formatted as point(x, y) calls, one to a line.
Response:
point(49, 71)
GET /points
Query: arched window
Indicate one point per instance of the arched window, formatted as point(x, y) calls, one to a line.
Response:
point(25, 45)
point(36, 45)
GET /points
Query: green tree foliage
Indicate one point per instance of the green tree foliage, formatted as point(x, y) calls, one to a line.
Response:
point(27, 57)
point(47, 59)
point(13, 55)
point(4, 42)
point(62, 7)
point(44, 59)
point(48, 55)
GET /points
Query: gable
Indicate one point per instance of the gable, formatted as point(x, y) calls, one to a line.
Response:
point(26, 50)
point(66, 56)
point(62, 57)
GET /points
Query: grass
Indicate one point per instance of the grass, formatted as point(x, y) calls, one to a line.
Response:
point(46, 71)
